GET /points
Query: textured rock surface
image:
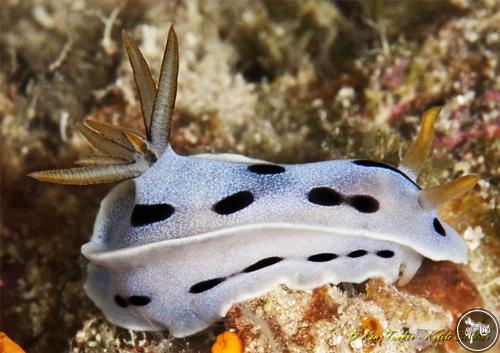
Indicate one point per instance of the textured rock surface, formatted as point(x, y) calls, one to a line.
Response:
point(285, 81)
point(329, 319)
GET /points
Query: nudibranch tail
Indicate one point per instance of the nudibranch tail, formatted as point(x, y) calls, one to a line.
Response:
point(164, 102)
point(143, 80)
point(126, 154)
point(432, 197)
point(415, 157)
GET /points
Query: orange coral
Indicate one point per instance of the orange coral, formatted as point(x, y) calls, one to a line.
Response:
point(8, 346)
point(227, 342)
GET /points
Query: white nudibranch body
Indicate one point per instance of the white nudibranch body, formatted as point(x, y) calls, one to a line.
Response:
point(187, 237)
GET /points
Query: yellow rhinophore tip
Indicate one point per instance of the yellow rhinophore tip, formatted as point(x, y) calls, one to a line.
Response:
point(418, 152)
point(227, 342)
point(432, 197)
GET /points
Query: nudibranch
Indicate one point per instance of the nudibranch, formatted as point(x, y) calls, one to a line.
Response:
point(183, 238)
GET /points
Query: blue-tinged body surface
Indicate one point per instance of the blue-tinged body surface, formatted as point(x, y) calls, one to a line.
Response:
point(165, 237)
point(192, 186)
point(184, 238)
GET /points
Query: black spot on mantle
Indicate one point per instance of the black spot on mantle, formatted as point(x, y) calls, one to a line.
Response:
point(262, 264)
point(386, 254)
point(364, 203)
point(323, 257)
point(139, 300)
point(203, 286)
point(367, 163)
point(357, 253)
point(234, 203)
point(120, 301)
point(266, 169)
point(325, 196)
point(438, 227)
point(147, 214)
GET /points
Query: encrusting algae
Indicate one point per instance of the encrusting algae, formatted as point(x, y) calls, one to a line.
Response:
point(337, 100)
